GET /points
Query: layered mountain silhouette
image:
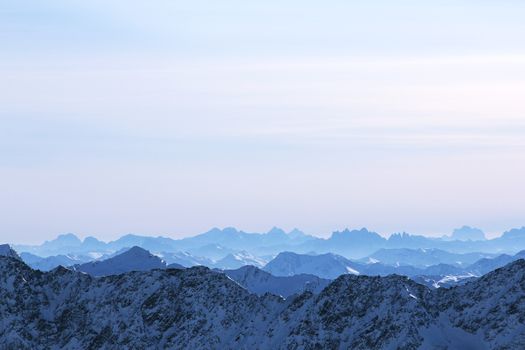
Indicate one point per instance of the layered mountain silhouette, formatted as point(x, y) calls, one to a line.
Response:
point(216, 244)
point(467, 233)
point(432, 267)
point(422, 258)
point(50, 262)
point(328, 266)
point(200, 308)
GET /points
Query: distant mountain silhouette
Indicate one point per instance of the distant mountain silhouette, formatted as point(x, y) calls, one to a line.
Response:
point(422, 258)
point(467, 233)
point(218, 243)
point(51, 262)
point(134, 259)
point(237, 260)
point(327, 266)
point(185, 259)
point(261, 282)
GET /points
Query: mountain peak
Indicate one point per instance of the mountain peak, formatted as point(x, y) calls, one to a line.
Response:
point(515, 233)
point(276, 231)
point(133, 259)
point(91, 239)
point(361, 234)
point(226, 230)
point(326, 265)
point(6, 250)
point(230, 229)
point(129, 236)
point(295, 231)
point(65, 239)
point(467, 233)
point(239, 259)
point(514, 267)
point(347, 231)
point(136, 251)
point(61, 270)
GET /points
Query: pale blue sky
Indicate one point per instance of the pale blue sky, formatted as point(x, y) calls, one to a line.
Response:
point(170, 117)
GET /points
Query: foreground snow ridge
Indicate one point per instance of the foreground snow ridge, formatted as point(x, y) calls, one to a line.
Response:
point(198, 308)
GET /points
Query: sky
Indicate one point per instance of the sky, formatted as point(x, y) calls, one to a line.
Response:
point(172, 117)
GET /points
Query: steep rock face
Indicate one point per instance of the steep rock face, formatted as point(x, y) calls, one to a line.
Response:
point(195, 308)
point(359, 312)
point(492, 307)
point(202, 309)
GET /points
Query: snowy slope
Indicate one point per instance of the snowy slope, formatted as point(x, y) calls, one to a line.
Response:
point(236, 260)
point(260, 282)
point(422, 258)
point(134, 259)
point(328, 266)
point(198, 308)
point(185, 259)
point(50, 262)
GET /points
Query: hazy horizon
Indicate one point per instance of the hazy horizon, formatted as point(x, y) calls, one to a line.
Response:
point(172, 117)
point(179, 235)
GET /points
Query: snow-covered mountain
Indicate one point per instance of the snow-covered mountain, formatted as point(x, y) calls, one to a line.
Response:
point(444, 281)
point(134, 259)
point(50, 262)
point(485, 265)
point(202, 309)
point(286, 264)
point(422, 258)
point(211, 251)
point(329, 266)
point(232, 260)
point(185, 259)
point(260, 282)
point(236, 260)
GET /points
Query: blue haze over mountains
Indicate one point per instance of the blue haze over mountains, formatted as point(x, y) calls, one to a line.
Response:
point(436, 262)
point(217, 243)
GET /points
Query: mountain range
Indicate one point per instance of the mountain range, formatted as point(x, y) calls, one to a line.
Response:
point(216, 244)
point(330, 266)
point(286, 266)
point(261, 282)
point(134, 259)
point(422, 257)
point(201, 308)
